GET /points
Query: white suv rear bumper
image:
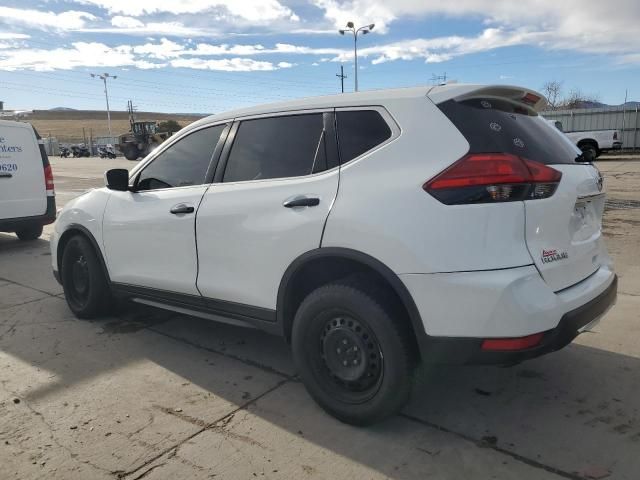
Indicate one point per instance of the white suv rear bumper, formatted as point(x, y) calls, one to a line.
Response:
point(513, 302)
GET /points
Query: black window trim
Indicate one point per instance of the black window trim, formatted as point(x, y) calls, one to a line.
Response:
point(213, 161)
point(329, 126)
point(395, 128)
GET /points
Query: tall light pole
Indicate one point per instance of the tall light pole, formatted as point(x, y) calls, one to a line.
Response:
point(363, 30)
point(104, 77)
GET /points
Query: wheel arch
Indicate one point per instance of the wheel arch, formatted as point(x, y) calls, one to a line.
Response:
point(71, 231)
point(326, 264)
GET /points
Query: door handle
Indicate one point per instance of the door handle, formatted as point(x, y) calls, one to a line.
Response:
point(300, 201)
point(6, 175)
point(182, 208)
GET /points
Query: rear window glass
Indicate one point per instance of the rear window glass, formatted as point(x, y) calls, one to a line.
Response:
point(359, 131)
point(492, 125)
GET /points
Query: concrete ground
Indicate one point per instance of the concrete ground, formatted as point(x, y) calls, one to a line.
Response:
point(158, 395)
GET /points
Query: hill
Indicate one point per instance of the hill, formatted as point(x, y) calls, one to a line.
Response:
point(67, 125)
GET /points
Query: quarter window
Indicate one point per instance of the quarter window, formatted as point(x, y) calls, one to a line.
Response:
point(278, 147)
point(359, 131)
point(182, 164)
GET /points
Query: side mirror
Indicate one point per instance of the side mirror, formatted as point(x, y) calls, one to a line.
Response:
point(117, 179)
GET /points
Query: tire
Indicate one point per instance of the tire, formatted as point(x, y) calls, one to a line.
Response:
point(589, 147)
point(150, 148)
point(131, 152)
point(377, 382)
point(30, 233)
point(84, 282)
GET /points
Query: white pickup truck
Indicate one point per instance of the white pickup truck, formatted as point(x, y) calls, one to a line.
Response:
point(597, 141)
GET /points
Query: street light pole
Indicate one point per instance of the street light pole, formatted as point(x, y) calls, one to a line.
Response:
point(363, 30)
point(104, 78)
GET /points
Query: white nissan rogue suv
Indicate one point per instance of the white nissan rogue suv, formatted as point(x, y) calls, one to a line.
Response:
point(373, 231)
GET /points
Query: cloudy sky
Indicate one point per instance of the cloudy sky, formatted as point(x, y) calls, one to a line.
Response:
point(212, 55)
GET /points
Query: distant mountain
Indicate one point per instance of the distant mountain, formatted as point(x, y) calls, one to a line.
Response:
point(629, 105)
point(61, 109)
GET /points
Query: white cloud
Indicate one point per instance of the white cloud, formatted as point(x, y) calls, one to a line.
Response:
point(590, 26)
point(126, 22)
point(81, 54)
point(133, 26)
point(251, 10)
point(286, 65)
point(163, 50)
point(13, 36)
point(68, 20)
point(227, 64)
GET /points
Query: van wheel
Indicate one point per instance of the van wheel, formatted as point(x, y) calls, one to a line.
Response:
point(83, 279)
point(30, 233)
point(351, 355)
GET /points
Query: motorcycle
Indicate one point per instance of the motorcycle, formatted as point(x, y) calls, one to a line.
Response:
point(80, 151)
point(107, 152)
point(65, 152)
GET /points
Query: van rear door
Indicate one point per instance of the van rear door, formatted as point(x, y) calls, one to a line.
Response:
point(22, 181)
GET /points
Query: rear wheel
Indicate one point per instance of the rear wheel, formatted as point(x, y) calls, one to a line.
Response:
point(591, 149)
point(151, 147)
point(352, 356)
point(83, 279)
point(29, 233)
point(131, 152)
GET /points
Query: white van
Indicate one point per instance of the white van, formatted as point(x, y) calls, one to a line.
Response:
point(27, 197)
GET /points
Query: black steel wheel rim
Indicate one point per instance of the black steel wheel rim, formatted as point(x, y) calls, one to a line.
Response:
point(80, 281)
point(351, 359)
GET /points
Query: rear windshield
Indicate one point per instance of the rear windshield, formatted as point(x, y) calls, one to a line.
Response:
point(492, 125)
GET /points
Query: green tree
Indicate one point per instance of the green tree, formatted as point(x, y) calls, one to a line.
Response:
point(170, 126)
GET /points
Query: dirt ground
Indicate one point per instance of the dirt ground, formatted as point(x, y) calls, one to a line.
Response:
point(156, 395)
point(67, 125)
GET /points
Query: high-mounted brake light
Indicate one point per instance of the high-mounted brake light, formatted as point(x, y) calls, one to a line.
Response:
point(48, 180)
point(493, 177)
point(530, 99)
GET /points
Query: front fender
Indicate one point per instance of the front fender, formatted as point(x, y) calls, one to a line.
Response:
point(83, 214)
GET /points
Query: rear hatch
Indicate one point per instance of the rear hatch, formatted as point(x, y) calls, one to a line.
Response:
point(22, 178)
point(563, 223)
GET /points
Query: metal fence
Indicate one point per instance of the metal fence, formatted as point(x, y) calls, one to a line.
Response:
point(624, 119)
point(52, 145)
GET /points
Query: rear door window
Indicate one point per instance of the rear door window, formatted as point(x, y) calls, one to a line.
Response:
point(360, 131)
point(493, 125)
point(278, 147)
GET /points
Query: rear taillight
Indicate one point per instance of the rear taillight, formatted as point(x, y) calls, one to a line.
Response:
point(615, 135)
point(493, 177)
point(48, 180)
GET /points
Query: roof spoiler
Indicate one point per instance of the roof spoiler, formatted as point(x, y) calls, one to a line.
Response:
point(520, 95)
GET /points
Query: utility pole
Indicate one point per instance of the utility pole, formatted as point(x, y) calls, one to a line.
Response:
point(362, 30)
point(624, 114)
point(439, 79)
point(104, 78)
point(341, 76)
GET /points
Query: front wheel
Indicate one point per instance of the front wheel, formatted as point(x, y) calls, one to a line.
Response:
point(352, 356)
point(83, 279)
